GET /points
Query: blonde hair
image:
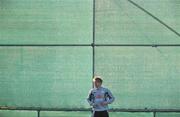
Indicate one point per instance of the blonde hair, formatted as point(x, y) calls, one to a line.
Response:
point(97, 78)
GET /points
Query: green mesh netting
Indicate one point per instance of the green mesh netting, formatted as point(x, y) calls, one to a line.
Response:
point(60, 76)
point(51, 77)
point(141, 77)
point(45, 21)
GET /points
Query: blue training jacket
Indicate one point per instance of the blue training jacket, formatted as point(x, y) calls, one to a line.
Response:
point(98, 95)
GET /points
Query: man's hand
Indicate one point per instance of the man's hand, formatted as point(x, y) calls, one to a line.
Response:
point(104, 103)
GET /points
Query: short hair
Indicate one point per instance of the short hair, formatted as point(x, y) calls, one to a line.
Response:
point(97, 78)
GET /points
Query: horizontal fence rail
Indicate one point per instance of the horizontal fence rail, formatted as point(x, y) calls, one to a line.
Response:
point(88, 109)
point(93, 45)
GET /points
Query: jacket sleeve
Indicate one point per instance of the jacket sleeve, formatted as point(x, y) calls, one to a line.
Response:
point(110, 97)
point(90, 98)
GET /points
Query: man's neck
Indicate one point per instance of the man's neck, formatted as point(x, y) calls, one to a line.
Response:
point(98, 87)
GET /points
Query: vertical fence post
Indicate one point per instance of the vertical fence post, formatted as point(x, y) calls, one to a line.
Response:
point(154, 114)
point(93, 43)
point(38, 113)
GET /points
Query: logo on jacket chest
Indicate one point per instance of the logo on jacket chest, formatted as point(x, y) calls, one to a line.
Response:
point(99, 94)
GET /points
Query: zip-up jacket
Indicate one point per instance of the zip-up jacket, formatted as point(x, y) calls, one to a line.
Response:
point(99, 95)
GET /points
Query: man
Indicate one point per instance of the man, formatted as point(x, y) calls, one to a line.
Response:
point(99, 98)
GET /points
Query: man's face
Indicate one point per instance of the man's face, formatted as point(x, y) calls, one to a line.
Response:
point(97, 83)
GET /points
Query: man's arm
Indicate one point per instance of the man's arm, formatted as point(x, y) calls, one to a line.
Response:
point(90, 98)
point(110, 97)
